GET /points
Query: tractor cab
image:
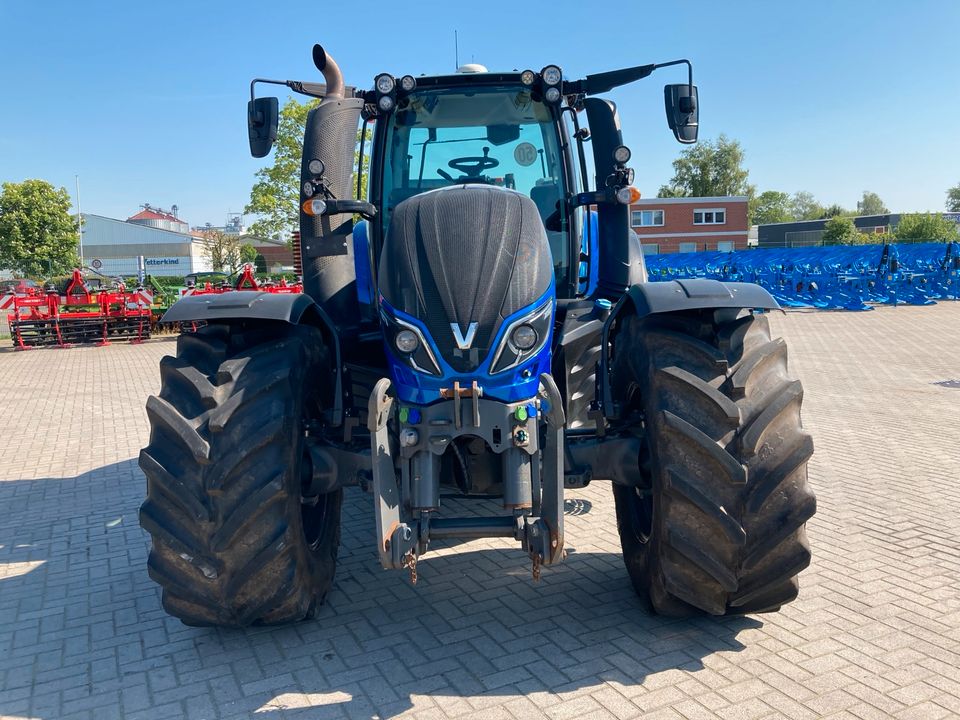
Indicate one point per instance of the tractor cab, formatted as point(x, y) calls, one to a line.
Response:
point(522, 131)
point(456, 131)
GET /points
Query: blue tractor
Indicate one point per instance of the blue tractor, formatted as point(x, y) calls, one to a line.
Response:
point(481, 325)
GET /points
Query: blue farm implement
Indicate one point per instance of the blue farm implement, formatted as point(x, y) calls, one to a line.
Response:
point(834, 277)
point(39, 318)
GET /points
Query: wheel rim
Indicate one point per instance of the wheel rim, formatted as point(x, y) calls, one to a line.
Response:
point(642, 505)
point(313, 515)
point(314, 519)
point(641, 514)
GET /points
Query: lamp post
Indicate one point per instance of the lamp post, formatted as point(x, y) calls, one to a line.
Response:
point(79, 220)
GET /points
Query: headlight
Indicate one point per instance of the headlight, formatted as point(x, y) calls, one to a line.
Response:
point(385, 83)
point(409, 344)
point(528, 77)
point(406, 341)
point(523, 337)
point(385, 103)
point(408, 83)
point(552, 95)
point(315, 167)
point(621, 154)
point(551, 75)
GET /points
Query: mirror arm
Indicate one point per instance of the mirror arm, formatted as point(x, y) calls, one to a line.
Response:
point(317, 90)
point(604, 82)
point(678, 62)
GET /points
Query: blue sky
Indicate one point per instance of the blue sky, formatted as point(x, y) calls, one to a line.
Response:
point(146, 102)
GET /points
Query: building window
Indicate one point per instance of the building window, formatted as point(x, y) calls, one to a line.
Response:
point(725, 246)
point(803, 238)
point(709, 216)
point(688, 247)
point(650, 249)
point(646, 218)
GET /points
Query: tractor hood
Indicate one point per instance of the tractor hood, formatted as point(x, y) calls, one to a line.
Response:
point(462, 260)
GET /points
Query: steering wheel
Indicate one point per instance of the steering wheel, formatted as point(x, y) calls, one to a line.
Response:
point(474, 166)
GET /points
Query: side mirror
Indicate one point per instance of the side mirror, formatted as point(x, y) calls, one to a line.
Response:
point(263, 116)
point(683, 112)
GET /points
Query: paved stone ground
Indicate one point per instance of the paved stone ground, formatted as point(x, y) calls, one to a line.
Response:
point(875, 633)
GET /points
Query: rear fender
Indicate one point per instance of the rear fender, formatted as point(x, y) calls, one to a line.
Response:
point(292, 308)
point(651, 298)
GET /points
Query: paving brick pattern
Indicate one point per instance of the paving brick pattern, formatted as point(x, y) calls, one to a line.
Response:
point(875, 633)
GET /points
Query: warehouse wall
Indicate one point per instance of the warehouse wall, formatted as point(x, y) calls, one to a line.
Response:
point(114, 245)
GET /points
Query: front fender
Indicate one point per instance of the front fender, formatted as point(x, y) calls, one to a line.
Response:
point(651, 298)
point(293, 308)
point(242, 305)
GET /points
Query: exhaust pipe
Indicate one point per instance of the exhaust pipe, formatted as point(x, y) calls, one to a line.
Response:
point(330, 70)
point(326, 242)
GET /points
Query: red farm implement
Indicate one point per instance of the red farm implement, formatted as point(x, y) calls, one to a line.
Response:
point(39, 318)
point(246, 281)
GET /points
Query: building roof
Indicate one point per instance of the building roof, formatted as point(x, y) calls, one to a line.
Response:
point(152, 214)
point(884, 219)
point(125, 225)
point(690, 200)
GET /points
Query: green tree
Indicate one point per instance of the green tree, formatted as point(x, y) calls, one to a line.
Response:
point(803, 206)
point(953, 198)
point(921, 227)
point(834, 210)
point(871, 204)
point(37, 234)
point(248, 253)
point(839, 230)
point(709, 168)
point(770, 206)
point(260, 262)
point(275, 196)
point(222, 250)
point(862, 238)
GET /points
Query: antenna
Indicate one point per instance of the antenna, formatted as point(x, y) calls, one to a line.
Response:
point(456, 51)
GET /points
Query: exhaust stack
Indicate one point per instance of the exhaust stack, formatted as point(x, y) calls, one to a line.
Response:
point(326, 241)
point(330, 70)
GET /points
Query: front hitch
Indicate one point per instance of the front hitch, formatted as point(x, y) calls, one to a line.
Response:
point(406, 505)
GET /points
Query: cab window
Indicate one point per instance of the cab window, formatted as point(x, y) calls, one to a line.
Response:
point(494, 136)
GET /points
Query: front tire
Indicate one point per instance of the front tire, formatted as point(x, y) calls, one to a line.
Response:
point(234, 543)
point(720, 526)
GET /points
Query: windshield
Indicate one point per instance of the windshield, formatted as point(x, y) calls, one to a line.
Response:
point(496, 136)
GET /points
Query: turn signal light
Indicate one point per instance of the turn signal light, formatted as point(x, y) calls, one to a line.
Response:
point(315, 206)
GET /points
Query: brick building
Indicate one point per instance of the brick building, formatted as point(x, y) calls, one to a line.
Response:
point(690, 224)
point(277, 254)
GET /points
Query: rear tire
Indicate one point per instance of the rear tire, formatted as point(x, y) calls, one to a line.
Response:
point(233, 544)
point(720, 526)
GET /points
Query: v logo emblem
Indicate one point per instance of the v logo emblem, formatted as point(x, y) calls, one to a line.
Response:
point(464, 341)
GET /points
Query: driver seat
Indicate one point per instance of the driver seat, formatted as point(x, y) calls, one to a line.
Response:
point(545, 195)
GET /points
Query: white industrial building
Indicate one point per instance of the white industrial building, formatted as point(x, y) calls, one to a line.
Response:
point(113, 247)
